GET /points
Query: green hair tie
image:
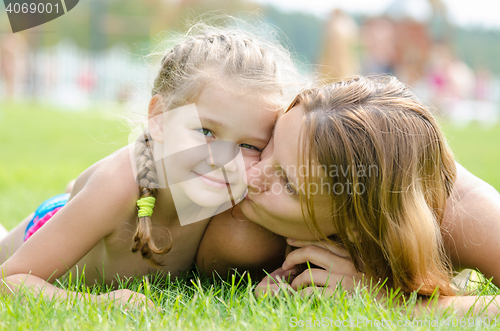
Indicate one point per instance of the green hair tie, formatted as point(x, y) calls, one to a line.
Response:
point(146, 206)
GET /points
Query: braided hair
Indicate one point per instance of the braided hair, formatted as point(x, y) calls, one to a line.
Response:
point(148, 185)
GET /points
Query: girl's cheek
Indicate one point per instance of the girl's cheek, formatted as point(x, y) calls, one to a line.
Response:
point(250, 161)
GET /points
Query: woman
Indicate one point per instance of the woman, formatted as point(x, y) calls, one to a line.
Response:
point(403, 222)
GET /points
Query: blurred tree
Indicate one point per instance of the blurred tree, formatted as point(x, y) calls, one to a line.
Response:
point(304, 32)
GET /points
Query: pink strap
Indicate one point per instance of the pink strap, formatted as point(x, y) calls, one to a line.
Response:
point(40, 222)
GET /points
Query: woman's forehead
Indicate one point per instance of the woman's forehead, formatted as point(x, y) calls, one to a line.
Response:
point(287, 138)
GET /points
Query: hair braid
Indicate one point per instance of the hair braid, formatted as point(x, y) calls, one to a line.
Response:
point(148, 184)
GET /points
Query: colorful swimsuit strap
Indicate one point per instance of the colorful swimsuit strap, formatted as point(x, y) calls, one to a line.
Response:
point(43, 213)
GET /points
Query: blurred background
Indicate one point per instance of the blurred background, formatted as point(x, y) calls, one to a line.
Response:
point(90, 60)
point(446, 50)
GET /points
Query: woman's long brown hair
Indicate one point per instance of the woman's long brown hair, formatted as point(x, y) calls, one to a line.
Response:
point(388, 170)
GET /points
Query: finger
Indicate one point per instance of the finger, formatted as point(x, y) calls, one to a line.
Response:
point(279, 275)
point(335, 249)
point(319, 277)
point(284, 274)
point(262, 290)
point(272, 289)
point(314, 277)
point(272, 281)
point(320, 257)
point(324, 291)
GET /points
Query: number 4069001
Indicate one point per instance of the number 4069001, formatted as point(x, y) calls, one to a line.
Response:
point(25, 8)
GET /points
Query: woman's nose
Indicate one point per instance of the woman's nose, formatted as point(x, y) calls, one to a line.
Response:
point(258, 178)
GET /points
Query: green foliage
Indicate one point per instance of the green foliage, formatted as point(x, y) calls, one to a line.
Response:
point(304, 31)
point(478, 47)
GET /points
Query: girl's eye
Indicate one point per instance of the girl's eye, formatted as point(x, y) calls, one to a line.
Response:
point(247, 146)
point(206, 132)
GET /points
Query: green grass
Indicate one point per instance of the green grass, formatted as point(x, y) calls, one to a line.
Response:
point(201, 305)
point(477, 149)
point(41, 149)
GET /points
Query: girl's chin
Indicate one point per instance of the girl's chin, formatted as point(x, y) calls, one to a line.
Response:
point(244, 208)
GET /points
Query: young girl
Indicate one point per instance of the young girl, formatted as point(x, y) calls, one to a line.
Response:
point(221, 85)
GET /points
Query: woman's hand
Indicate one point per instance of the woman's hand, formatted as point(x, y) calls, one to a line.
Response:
point(335, 266)
point(276, 281)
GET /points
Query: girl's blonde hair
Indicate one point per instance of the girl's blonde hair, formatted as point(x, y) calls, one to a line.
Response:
point(389, 172)
point(229, 56)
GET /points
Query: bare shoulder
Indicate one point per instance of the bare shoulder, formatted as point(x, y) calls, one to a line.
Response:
point(466, 183)
point(471, 225)
point(111, 173)
point(229, 243)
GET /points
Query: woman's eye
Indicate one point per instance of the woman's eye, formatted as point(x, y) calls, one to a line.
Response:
point(247, 146)
point(206, 132)
point(288, 187)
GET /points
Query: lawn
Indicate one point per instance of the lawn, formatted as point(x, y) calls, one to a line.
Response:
point(43, 148)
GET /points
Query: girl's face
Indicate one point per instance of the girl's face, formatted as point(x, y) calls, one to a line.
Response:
point(210, 144)
point(273, 195)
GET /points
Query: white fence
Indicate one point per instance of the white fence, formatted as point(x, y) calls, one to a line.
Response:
point(75, 78)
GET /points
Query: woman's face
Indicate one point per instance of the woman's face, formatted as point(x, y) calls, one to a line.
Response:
point(273, 194)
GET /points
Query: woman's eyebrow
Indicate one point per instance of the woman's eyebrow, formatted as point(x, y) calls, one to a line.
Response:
point(287, 175)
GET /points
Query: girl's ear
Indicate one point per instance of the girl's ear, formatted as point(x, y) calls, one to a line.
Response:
point(156, 118)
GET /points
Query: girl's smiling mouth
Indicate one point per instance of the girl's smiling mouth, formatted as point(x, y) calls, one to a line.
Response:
point(212, 181)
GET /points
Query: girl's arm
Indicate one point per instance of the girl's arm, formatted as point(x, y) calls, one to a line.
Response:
point(107, 199)
point(12, 284)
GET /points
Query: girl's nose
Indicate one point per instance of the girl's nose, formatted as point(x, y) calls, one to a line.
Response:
point(233, 165)
point(223, 154)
